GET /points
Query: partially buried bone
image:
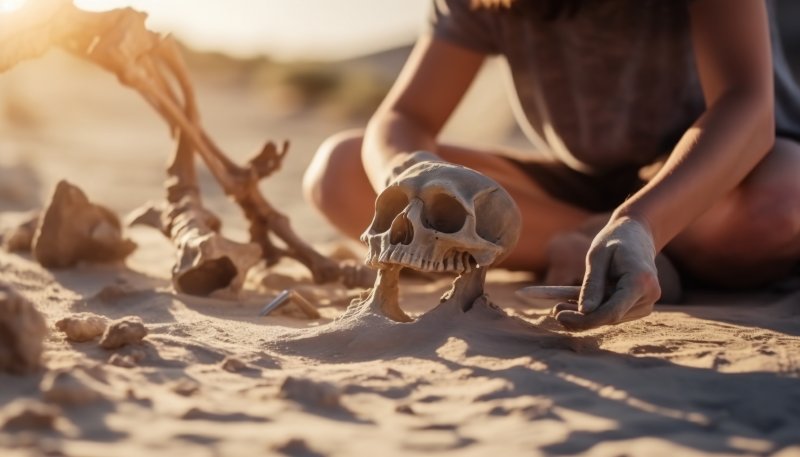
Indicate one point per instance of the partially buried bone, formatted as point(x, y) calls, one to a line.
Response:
point(22, 332)
point(118, 41)
point(72, 229)
point(434, 217)
point(441, 217)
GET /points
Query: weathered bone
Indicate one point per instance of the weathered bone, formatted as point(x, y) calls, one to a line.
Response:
point(441, 217)
point(119, 42)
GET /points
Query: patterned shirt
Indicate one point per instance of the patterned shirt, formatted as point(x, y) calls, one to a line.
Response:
point(613, 85)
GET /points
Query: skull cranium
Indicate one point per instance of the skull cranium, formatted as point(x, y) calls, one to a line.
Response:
point(441, 217)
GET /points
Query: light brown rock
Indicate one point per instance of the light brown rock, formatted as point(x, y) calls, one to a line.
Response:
point(82, 326)
point(69, 387)
point(22, 333)
point(27, 414)
point(310, 393)
point(128, 330)
point(72, 229)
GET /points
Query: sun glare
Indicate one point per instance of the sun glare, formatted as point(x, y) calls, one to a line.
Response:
point(7, 6)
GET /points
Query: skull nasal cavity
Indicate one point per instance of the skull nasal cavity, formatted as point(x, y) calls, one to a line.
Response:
point(402, 231)
point(444, 213)
point(390, 203)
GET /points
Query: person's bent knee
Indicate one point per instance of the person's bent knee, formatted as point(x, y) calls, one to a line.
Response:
point(755, 246)
point(770, 220)
point(323, 185)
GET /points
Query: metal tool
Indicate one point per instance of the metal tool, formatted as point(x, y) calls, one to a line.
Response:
point(548, 296)
point(284, 297)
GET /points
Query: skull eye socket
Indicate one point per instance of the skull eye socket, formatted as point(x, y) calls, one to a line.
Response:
point(444, 213)
point(391, 202)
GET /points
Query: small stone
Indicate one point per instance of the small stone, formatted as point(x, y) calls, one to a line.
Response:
point(404, 409)
point(72, 229)
point(68, 387)
point(122, 361)
point(310, 393)
point(82, 326)
point(128, 330)
point(28, 415)
point(22, 333)
point(185, 387)
point(294, 446)
point(131, 357)
point(233, 365)
point(113, 292)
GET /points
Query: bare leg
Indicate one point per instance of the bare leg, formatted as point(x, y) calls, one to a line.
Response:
point(337, 185)
point(753, 235)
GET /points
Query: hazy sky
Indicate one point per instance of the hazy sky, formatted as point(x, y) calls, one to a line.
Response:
point(283, 28)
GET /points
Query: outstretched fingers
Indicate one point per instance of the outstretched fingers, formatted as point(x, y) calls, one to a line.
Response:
point(594, 281)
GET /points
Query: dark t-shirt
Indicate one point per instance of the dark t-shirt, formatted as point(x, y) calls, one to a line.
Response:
point(613, 85)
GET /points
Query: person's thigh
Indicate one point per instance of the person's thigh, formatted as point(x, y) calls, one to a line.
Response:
point(753, 234)
point(337, 185)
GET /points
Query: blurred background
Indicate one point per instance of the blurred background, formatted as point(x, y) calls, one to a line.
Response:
point(263, 69)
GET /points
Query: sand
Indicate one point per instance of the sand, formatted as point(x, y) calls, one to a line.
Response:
point(719, 374)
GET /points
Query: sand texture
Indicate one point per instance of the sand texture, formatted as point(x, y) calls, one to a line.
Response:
point(148, 372)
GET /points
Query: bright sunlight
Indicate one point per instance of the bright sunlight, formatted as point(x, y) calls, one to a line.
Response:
point(7, 6)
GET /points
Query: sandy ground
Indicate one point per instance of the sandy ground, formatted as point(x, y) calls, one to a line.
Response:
point(719, 375)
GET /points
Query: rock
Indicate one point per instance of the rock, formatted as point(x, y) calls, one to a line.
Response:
point(113, 292)
point(20, 238)
point(128, 330)
point(72, 229)
point(82, 326)
point(130, 359)
point(185, 387)
point(233, 365)
point(28, 414)
point(310, 393)
point(69, 387)
point(22, 333)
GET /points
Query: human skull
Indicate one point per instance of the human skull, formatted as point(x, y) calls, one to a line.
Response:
point(441, 217)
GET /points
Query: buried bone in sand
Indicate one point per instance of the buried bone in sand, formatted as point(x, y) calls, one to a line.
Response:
point(160, 350)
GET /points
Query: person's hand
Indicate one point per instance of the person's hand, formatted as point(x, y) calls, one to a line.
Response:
point(566, 259)
point(621, 280)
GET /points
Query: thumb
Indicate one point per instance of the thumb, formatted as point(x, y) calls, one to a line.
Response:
point(594, 281)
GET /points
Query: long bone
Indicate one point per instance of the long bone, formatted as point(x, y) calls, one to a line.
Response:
point(119, 42)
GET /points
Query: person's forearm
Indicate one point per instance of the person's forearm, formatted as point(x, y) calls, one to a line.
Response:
point(711, 159)
point(389, 142)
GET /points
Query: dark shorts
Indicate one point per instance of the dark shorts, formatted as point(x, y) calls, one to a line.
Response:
point(596, 193)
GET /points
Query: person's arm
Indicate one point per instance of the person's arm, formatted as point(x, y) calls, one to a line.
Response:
point(733, 56)
point(427, 91)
